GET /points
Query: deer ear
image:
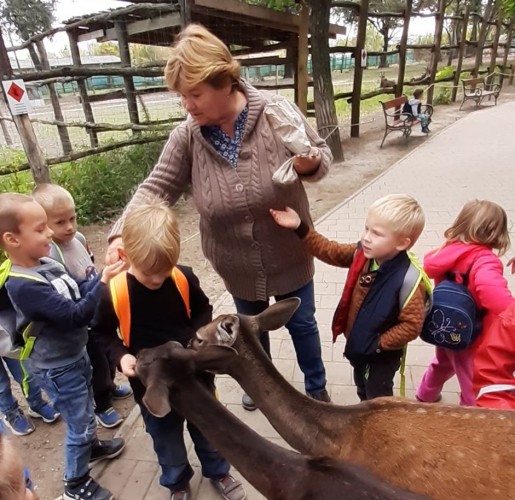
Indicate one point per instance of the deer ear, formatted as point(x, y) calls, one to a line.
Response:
point(212, 357)
point(157, 399)
point(278, 314)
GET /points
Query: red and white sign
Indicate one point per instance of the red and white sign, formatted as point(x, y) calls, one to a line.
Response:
point(17, 97)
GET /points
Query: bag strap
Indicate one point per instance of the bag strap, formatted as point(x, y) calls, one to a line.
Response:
point(120, 297)
point(119, 289)
point(412, 279)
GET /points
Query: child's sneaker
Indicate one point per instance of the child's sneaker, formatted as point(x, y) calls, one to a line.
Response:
point(109, 418)
point(19, 424)
point(229, 488)
point(46, 412)
point(103, 450)
point(86, 488)
point(122, 391)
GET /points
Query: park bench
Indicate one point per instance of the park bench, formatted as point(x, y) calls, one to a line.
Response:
point(397, 121)
point(476, 89)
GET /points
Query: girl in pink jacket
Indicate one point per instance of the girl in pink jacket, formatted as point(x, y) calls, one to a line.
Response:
point(480, 228)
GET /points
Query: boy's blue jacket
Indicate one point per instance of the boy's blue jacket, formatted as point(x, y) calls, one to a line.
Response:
point(65, 306)
point(379, 311)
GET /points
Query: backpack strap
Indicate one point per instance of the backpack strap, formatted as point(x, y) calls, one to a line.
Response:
point(181, 282)
point(120, 297)
point(119, 289)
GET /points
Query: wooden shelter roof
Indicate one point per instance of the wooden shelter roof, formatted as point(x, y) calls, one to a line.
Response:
point(156, 22)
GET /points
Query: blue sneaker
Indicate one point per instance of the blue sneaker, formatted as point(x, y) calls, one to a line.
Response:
point(46, 411)
point(19, 424)
point(109, 418)
point(121, 391)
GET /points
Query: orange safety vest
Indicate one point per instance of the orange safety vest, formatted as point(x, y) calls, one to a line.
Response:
point(121, 303)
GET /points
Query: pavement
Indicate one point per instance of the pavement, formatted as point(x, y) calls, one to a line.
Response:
point(472, 158)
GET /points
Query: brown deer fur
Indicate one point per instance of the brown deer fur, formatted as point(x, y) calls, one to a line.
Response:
point(442, 451)
point(169, 374)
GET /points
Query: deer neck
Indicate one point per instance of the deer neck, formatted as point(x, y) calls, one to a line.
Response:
point(308, 426)
point(262, 463)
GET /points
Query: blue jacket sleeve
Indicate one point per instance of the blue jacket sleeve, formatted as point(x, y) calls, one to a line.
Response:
point(39, 301)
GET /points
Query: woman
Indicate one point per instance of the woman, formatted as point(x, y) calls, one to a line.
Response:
point(228, 153)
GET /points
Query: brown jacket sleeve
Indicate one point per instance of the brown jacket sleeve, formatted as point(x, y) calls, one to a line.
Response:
point(330, 252)
point(411, 320)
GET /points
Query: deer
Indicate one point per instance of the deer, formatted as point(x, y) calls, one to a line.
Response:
point(169, 375)
point(441, 451)
point(385, 83)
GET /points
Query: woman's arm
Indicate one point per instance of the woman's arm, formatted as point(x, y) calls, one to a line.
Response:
point(168, 179)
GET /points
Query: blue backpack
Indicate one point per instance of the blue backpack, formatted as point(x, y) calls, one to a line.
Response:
point(454, 320)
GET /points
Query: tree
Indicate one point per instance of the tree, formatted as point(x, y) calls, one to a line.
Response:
point(27, 18)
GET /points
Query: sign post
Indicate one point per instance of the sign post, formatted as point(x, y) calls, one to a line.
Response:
point(16, 96)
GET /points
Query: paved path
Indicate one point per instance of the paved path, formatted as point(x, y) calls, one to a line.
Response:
point(472, 158)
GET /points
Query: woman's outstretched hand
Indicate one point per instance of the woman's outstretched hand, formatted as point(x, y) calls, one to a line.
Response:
point(287, 218)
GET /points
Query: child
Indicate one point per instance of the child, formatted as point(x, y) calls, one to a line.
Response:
point(480, 228)
point(14, 417)
point(158, 314)
point(15, 483)
point(70, 249)
point(377, 328)
point(414, 106)
point(63, 307)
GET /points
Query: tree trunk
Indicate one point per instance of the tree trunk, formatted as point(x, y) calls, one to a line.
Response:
point(489, 10)
point(383, 61)
point(325, 110)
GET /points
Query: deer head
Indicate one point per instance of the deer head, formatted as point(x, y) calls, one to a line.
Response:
point(225, 330)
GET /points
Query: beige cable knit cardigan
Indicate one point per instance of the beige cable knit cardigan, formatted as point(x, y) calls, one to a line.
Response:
point(256, 258)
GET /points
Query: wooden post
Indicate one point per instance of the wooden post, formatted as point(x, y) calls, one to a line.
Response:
point(358, 70)
point(125, 56)
point(37, 162)
point(54, 98)
point(3, 124)
point(83, 90)
point(301, 73)
point(506, 53)
point(185, 12)
point(461, 51)
point(402, 48)
point(493, 56)
point(487, 15)
point(436, 49)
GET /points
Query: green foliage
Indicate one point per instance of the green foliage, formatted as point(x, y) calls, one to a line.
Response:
point(27, 17)
point(273, 4)
point(101, 185)
point(443, 92)
point(445, 72)
point(103, 49)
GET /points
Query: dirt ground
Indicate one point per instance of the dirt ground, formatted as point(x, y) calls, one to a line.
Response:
point(364, 160)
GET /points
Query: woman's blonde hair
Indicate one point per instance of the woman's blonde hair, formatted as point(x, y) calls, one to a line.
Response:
point(151, 237)
point(198, 56)
point(483, 222)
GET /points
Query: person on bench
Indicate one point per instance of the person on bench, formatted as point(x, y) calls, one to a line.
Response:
point(413, 107)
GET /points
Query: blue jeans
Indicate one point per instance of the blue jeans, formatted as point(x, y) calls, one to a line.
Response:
point(70, 389)
point(168, 437)
point(8, 403)
point(304, 334)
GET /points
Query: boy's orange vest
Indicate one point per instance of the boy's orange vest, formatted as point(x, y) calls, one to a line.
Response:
point(120, 297)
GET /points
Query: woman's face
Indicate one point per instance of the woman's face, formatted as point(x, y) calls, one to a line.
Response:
point(206, 104)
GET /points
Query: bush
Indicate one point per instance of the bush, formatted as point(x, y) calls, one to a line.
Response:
point(101, 185)
point(443, 96)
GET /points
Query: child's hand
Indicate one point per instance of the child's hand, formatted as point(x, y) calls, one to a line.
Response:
point(286, 218)
point(113, 251)
point(128, 365)
point(112, 270)
point(511, 263)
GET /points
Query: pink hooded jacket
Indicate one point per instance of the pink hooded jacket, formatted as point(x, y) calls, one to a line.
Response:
point(486, 281)
point(496, 343)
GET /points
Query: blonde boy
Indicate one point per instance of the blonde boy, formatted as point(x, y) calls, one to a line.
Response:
point(377, 327)
point(159, 313)
point(63, 307)
point(69, 247)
